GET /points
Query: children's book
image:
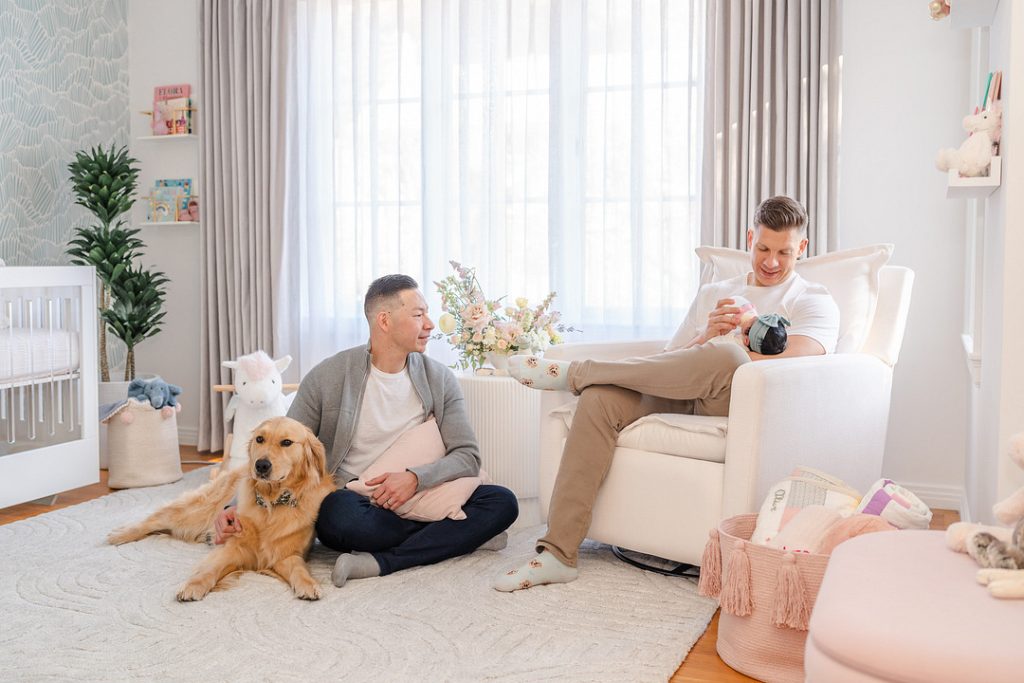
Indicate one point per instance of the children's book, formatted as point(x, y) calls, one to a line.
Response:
point(163, 206)
point(171, 199)
point(188, 209)
point(181, 186)
point(164, 116)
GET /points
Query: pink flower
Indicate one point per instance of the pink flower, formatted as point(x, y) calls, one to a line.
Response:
point(476, 316)
point(552, 370)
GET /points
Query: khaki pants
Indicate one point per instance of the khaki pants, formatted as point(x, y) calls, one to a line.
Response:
point(613, 395)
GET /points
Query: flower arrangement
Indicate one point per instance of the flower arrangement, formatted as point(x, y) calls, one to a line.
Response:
point(477, 326)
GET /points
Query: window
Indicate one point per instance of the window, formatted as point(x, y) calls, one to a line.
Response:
point(552, 145)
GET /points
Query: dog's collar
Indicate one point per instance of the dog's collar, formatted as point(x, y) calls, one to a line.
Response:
point(285, 498)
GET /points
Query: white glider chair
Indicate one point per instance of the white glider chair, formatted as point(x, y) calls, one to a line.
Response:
point(674, 477)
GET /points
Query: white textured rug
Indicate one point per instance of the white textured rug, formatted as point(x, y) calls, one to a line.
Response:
point(74, 608)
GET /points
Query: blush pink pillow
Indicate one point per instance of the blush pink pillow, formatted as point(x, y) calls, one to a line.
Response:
point(421, 445)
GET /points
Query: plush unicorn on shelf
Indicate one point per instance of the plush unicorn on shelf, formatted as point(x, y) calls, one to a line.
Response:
point(259, 395)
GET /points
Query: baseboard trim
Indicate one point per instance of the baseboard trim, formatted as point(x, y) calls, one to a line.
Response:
point(940, 496)
point(188, 436)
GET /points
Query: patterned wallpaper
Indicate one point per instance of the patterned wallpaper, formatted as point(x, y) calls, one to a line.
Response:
point(63, 87)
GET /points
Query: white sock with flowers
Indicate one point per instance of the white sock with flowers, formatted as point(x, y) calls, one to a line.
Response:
point(545, 568)
point(538, 373)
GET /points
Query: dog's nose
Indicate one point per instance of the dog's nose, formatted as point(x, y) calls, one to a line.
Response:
point(263, 467)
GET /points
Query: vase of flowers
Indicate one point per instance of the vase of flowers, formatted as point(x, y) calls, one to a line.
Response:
point(485, 330)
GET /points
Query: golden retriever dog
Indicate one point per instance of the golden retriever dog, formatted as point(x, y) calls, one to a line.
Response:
point(278, 497)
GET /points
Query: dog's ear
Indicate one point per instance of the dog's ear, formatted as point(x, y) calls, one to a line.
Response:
point(315, 457)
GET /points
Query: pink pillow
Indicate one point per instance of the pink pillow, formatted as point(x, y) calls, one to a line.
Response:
point(421, 445)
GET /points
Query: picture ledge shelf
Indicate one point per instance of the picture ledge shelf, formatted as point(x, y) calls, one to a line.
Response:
point(169, 223)
point(974, 188)
point(168, 137)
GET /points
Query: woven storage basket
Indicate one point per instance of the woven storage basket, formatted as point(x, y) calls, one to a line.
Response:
point(768, 589)
point(144, 450)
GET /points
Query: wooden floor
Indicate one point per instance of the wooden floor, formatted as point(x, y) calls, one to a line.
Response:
point(702, 665)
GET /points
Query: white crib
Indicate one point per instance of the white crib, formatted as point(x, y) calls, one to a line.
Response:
point(48, 381)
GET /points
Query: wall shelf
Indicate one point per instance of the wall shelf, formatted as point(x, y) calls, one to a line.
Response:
point(974, 188)
point(972, 13)
point(162, 223)
point(168, 137)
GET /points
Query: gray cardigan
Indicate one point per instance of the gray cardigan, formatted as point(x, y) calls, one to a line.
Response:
point(331, 394)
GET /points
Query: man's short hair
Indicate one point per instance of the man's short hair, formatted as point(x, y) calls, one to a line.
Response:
point(384, 291)
point(781, 213)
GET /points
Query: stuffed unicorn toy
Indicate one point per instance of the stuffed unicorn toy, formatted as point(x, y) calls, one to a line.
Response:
point(258, 397)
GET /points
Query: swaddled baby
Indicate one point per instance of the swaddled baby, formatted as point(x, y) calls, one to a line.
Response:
point(764, 334)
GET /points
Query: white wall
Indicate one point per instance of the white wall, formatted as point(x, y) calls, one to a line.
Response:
point(905, 91)
point(163, 49)
point(999, 400)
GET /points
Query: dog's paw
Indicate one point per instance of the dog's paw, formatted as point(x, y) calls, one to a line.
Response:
point(308, 591)
point(191, 592)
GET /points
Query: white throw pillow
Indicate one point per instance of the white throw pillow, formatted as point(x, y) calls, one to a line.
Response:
point(851, 277)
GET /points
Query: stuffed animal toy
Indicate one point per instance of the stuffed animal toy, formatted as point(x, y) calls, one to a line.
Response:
point(158, 392)
point(998, 550)
point(155, 391)
point(975, 154)
point(258, 397)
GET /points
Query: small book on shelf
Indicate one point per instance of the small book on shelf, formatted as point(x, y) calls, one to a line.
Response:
point(171, 199)
point(188, 209)
point(172, 109)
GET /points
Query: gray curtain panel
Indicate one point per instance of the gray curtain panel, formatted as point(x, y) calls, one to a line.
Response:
point(771, 111)
point(243, 61)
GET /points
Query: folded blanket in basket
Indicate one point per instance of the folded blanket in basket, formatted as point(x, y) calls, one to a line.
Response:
point(804, 487)
point(896, 505)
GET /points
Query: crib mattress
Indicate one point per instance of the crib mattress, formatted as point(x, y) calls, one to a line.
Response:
point(36, 355)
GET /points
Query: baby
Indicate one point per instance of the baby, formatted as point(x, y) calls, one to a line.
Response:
point(764, 334)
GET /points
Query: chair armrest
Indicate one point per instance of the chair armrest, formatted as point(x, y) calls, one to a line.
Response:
point(827, 412)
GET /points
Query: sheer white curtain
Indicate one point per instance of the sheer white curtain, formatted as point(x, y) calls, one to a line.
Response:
point(551, 144)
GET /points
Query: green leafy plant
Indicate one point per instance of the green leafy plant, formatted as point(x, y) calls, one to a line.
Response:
point(136, 311)
point(130, 298)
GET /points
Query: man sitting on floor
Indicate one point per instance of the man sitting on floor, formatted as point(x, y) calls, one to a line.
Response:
point(358, 402)
point(691, 376)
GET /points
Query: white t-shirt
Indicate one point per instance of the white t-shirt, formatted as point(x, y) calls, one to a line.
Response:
point(390, 407)
point(807, 305)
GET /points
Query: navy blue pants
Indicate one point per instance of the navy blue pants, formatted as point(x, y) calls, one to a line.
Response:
point(348, 522)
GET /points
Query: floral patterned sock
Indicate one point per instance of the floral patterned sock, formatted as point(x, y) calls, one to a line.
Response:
point(538, 373)
point(545, 568)
point(354, 566)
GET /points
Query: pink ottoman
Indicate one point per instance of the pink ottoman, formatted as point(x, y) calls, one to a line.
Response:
point(900, 606)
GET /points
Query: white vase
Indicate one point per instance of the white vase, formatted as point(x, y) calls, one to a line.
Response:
point(498, 361)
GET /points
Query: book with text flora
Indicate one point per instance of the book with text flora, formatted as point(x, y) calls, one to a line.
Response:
point(172, 109)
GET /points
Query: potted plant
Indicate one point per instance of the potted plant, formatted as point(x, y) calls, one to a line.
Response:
point(131, 297)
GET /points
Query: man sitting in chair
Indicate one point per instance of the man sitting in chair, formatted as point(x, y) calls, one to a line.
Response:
point(691, 376)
